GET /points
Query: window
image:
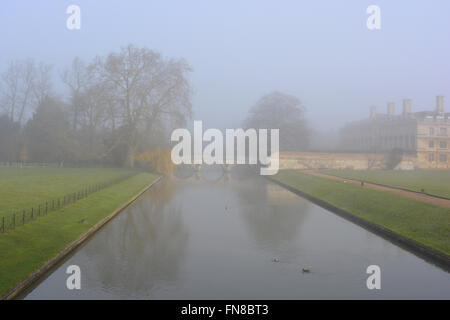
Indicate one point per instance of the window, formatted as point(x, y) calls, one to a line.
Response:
point(443, 144)
point(431, 144)
point(442, 131)
point(443, 158)
point(431, 157)
point(431, 131)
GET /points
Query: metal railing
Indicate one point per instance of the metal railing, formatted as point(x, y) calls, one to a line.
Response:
point(20, 217)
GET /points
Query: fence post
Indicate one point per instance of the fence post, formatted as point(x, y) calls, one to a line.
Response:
point(32, 216)
point(23, 218)
point(46, 207)
point(3, 224)
point(39, 210)
point(14, 221)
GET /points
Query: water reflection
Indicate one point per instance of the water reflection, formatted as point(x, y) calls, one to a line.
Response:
point(212, 234)
point(273, 216)
point(144, 248)
point(215, 173)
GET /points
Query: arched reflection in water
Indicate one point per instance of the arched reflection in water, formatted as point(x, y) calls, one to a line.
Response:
point(215, 173)
point(201, 237)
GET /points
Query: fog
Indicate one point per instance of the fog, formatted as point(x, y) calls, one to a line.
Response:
point(318, 51)
point(186, 107)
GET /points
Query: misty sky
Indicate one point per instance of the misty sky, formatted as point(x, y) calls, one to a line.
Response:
point(319, 51)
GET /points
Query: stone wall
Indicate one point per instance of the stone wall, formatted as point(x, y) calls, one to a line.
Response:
point(354, 161)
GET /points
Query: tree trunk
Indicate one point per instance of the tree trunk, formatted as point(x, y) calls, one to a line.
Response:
point(129, 161)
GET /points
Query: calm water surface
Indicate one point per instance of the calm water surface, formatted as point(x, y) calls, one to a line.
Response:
point(197, 239)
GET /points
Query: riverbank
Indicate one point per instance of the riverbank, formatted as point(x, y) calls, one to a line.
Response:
point(432, 182)
point(27, 187)
point(400, 192)
point(421, 226)
point(28, 248)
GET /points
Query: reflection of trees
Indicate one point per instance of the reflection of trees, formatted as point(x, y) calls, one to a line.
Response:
point(162, 192)
point(143, 246)
point(272, 214)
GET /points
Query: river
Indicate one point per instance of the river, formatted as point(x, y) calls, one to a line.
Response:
point(237, 236)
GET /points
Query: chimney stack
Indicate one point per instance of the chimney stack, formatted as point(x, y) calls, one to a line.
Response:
point(440, 104)
point(391, 108)
point(373, 112)
point(406, 106)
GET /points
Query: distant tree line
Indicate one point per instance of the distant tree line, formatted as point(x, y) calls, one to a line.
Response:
point(116, 106)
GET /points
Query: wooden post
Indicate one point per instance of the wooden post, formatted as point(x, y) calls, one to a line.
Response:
point(3, 224)
point(32, 216)
point(14, 221)
point(39, 210)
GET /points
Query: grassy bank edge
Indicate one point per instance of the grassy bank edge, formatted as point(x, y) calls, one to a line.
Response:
point(142, 182)
point(430, 253)
point(437, 191)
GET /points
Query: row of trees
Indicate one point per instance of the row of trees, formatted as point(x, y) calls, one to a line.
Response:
point(117, 105)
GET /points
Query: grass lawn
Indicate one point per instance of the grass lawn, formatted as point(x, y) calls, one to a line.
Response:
point(424, 223)
point(22, 188)
point(27, 248)
point(434, 182)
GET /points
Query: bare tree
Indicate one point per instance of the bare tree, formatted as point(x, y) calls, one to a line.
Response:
point(27, 75)
point(142, 88)
point(10, 94)
point(76, 79)
point(93, 115)
point(118, 105)
point(43, 83)
point(24, 86)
